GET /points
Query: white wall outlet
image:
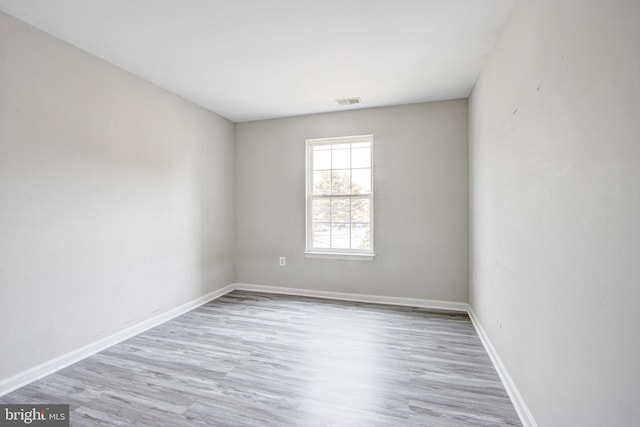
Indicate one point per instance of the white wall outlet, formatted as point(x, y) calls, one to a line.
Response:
point(282, 261)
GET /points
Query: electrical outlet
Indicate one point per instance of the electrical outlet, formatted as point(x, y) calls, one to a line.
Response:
point(282, 261)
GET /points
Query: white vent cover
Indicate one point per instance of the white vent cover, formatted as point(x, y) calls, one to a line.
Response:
point(348, 101)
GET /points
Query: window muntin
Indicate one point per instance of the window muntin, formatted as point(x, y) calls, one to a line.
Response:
point(340, 195)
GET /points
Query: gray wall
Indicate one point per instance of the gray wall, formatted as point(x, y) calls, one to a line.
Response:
point(421, 202)
point(555, 204)
point(116, 199)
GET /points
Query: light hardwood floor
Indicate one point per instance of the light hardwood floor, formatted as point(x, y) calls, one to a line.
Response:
point(254, 359)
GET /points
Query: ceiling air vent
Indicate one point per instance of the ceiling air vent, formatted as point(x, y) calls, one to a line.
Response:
point(348, 101)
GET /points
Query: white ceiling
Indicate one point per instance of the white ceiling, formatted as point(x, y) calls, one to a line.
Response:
point(257, 59)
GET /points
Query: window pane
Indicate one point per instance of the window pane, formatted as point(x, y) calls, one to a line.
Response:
point(361, 158)
point(321, 209)
point(322, 182)
point(340, 181)
point(341, 157)
point(321, 159)
point(360, 236)
point(361, 181)
point(361, 145)
point(340, 236)
point(340, 210)
point(340, 175)
point(361, 210)
point(321, 237)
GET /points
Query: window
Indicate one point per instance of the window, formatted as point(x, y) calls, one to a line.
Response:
point(340, 197)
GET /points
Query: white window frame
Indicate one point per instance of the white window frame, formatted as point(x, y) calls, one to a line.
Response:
point(353, 254)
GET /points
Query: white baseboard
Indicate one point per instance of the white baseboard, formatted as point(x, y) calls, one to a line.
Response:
point(376, 299)
point(25, 377)
point(516, 398)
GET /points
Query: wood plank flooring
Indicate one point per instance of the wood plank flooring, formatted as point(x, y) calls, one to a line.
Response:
point(254, 359)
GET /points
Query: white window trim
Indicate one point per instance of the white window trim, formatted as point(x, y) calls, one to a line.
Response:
point(338, 255)
point(330, 253)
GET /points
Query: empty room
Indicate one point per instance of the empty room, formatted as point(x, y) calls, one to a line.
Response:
point(319, 213)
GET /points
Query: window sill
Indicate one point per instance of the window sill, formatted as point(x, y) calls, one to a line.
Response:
point(338, 255)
